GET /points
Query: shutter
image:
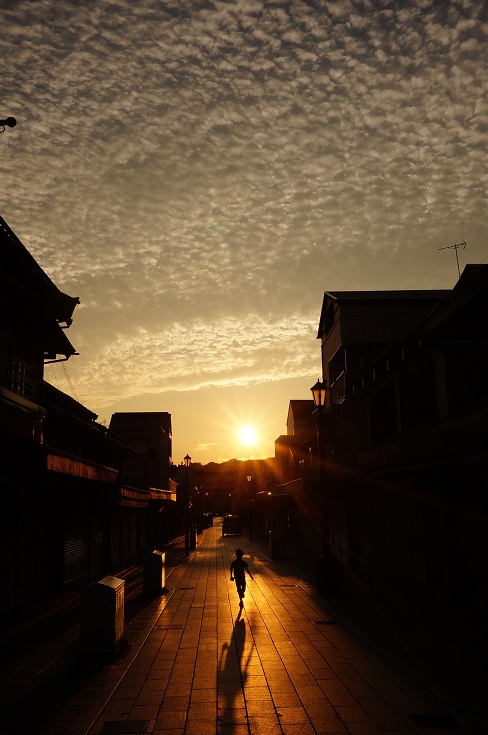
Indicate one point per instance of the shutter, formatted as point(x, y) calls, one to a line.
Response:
point(75, 553)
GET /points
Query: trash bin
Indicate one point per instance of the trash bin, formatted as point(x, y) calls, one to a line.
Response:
point(102, 617)
point(154, 573)
point(277, 544)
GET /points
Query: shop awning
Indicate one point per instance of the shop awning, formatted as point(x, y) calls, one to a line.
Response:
point(132, 497)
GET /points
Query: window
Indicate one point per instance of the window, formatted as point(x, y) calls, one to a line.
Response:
point(22, 377)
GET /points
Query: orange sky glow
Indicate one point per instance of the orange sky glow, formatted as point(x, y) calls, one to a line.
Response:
point(199, 173)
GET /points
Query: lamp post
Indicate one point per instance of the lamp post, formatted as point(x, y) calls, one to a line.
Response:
point(200, 509)
point(328, 570)
point(249, 507)
point(186, 516)
point(319, 393)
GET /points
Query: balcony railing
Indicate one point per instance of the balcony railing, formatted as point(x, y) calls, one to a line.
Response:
point(341, 387)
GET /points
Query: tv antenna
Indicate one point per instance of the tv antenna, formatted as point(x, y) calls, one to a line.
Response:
point(456, 247)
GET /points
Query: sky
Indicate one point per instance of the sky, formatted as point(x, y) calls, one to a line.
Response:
point(198, 173)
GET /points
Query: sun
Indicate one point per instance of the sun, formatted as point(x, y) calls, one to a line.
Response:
point(247, 435)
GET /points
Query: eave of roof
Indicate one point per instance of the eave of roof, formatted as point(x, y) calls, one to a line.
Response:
point(434, 295)
point(388, 295)
point(31, 319)
point(18, 263)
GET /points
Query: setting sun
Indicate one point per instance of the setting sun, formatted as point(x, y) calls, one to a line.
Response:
point(247, 435)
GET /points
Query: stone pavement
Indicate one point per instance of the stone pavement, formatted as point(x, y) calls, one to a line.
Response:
point(198, 664)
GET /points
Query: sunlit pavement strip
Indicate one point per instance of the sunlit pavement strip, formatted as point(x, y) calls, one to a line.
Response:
point(282, 665)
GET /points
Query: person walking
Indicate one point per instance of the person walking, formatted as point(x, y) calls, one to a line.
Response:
point(238, 570)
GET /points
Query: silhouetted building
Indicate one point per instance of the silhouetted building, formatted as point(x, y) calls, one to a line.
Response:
point(355, 326)
point(34, 312)
point(150, 434)
point(410, 488)
point(292, 450)
point(69, 514)
point(148, 466)
point(396, 485)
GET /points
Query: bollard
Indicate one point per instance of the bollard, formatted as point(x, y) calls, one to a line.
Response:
point(193, 539)
point(102, 617)
point(154, 573)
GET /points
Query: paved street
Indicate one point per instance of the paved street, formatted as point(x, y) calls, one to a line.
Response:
point(198, 664)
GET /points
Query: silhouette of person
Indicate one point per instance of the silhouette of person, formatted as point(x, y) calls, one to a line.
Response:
point(238, 570)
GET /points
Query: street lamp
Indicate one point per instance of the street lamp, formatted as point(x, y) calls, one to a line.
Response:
point(319, 392)
point(9, 122)
point(187, 461)
point(328, 571)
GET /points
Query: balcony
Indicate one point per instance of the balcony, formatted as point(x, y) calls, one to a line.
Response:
point(341, 386)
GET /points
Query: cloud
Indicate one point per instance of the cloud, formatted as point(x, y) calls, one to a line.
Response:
point(198, 355)
point(211, 168)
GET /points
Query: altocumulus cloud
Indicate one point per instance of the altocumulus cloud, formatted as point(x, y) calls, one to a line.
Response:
point(199, 172)
point(228, 352)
